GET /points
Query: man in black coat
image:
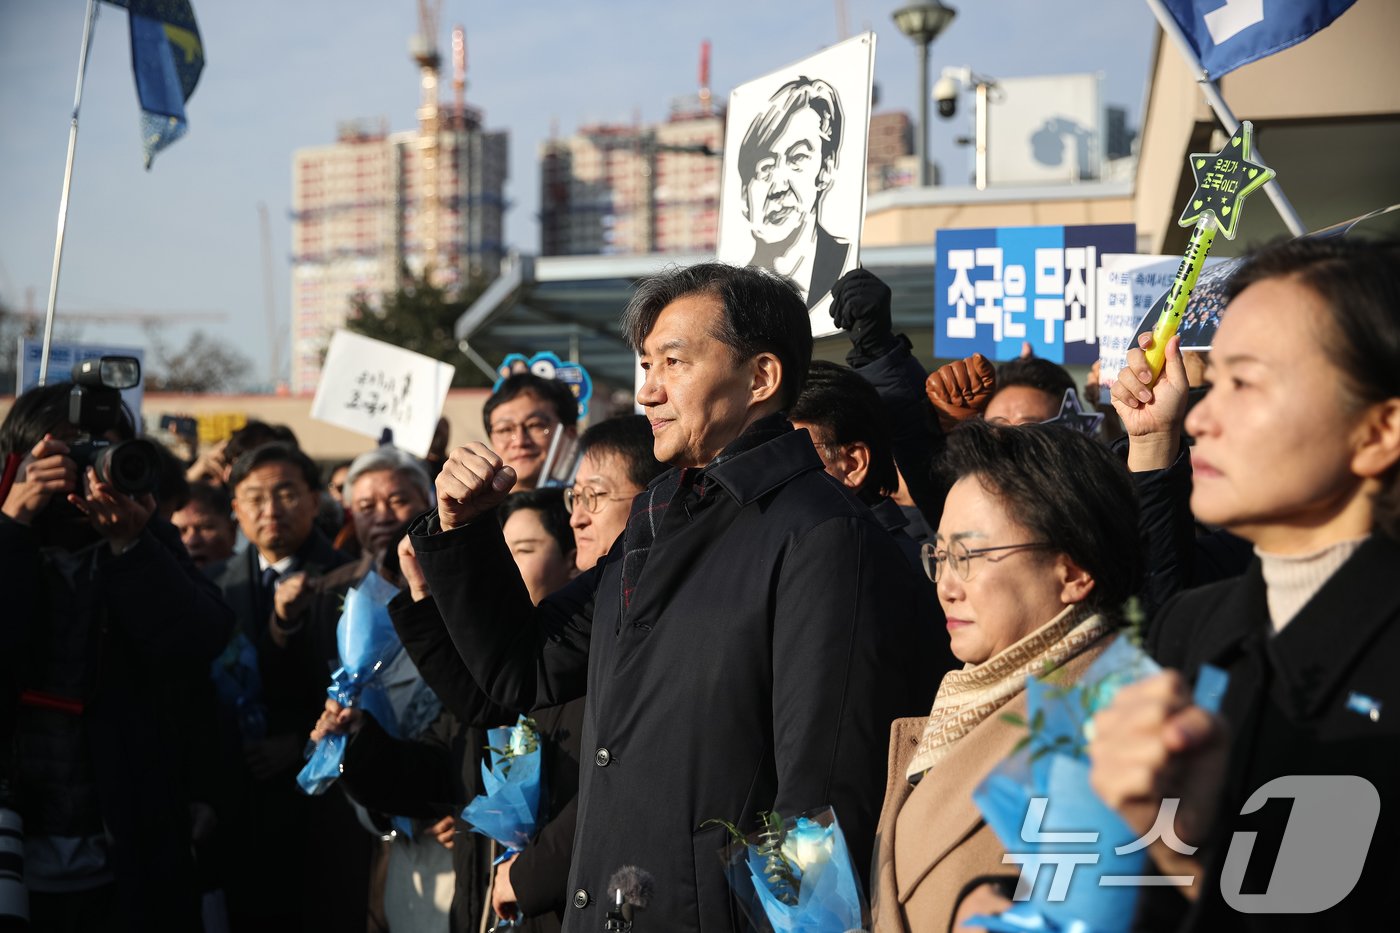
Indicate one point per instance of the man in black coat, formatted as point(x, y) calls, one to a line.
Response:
point(275, 839)
point(736, 647)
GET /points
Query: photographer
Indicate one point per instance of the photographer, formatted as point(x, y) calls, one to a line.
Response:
point(108, 626)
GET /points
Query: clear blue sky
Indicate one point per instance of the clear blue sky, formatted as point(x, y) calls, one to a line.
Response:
point(280, 75)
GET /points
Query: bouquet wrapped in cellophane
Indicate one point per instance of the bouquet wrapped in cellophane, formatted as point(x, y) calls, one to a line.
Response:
point(795, 875)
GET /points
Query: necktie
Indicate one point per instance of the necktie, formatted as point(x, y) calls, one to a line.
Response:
point(269, 586)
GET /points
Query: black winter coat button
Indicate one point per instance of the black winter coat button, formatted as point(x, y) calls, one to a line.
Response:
point(580, 898)
point(602, 757)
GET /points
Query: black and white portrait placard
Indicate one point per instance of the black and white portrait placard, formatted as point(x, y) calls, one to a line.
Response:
point(794, 171)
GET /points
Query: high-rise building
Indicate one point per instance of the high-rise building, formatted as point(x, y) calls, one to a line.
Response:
point(359, 209)
point(628, 188)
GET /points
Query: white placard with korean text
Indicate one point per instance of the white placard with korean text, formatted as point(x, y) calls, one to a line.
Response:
point(368, 386)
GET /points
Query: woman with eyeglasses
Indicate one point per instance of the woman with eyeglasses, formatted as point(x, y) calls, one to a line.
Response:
point(1298, 452)
point(1036, 553)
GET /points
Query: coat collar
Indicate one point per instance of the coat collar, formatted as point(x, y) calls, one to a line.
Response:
point(757, 470)
point(1316, 652)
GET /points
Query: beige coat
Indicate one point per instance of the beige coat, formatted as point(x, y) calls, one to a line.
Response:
point(932, 839)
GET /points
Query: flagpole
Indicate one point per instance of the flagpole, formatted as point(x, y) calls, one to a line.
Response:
point(67, 186)
point(1223, 112)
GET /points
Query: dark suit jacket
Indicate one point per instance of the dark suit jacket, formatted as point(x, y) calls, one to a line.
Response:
point(275, 839)
point(1295, 706)
point(750, 672)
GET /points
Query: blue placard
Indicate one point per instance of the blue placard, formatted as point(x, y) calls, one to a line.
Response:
point(996, 288)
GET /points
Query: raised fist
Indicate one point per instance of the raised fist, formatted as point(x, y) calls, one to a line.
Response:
point(472, 482)
point(860, 304)
point(961, 389)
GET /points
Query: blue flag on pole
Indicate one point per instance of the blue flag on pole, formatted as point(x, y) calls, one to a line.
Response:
point(166, 59)
point(1229, 33)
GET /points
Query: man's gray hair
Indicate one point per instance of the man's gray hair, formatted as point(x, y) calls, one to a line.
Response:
point(388, 458)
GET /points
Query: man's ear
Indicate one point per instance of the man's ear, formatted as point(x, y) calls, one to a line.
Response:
point(1076, 583)
point(855, 463)
point(744, 200)
point(824, 178)
point(767, 378)
point(1377, 440)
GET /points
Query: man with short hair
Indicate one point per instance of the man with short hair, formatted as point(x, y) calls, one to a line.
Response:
point(522, 418)
point(851, 431)
point(206, 525)
point(1029, 390)
point(786, 162)
point(271, 693)
point(736, 648)
point(615, 463)
point(383, 489)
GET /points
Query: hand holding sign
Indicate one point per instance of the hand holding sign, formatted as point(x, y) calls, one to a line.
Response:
point(473, 481)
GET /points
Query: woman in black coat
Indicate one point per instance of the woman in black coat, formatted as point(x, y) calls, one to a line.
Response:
point(1297, 451)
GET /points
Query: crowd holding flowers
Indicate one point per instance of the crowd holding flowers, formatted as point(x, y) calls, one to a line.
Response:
point(802, 645)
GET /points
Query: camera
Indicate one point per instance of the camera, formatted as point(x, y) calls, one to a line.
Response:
point(945, 91)
point(95, 407)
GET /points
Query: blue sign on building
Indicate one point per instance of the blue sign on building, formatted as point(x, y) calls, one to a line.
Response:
point(999, 287)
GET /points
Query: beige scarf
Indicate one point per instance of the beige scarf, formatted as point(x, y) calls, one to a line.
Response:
point(969, 696)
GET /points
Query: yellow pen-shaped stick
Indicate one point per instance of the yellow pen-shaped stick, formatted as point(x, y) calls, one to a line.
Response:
point(1182, 285)
point(1223, 180)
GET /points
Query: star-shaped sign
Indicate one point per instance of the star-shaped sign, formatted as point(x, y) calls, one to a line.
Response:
point(1071, 416)
point(1223, 180)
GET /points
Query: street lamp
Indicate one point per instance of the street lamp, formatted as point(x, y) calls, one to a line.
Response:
point(922, 22)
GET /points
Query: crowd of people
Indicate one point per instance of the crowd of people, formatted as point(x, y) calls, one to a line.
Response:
point(789, 585)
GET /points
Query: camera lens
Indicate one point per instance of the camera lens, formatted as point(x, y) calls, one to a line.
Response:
point(132, 467)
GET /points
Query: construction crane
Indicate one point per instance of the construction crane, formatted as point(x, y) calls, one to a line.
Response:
point(424, 50)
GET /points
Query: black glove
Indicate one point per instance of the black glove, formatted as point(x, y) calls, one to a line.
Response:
point(860, 304)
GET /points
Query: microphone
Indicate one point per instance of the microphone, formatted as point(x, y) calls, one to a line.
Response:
point(630, 890)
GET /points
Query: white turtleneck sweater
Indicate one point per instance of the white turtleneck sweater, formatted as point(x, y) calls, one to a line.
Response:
point(1293, 579)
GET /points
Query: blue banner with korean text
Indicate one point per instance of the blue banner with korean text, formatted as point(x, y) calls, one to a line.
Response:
point(998, 288)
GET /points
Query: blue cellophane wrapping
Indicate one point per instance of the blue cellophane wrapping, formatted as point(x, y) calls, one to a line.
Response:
point(509, 809)
point(829, 898)
point(367, 641)
point(1062, 778)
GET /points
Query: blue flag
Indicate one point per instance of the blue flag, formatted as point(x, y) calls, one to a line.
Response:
point(1229, 33)
point(166, 59)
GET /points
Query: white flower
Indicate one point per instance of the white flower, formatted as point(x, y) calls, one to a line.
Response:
point(809, 843)
point(519, 740)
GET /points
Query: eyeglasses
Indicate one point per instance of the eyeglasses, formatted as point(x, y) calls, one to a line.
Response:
point(537, 428)
point(959, 556)
point(591, 499)
point(286, 498)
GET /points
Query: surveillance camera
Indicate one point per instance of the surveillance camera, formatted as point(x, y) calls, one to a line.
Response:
point(945, 91)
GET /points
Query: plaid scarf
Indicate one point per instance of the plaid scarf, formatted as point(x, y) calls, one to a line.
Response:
point(968, 697)
point(690, 487)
